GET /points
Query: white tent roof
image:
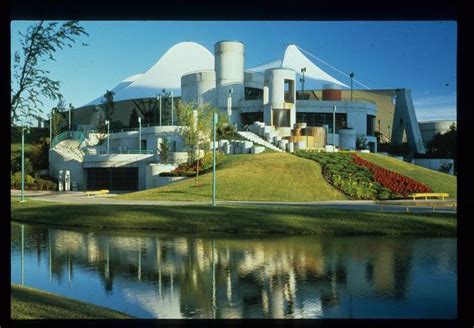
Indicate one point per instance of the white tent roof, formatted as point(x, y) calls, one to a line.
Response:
point(180, 59)
point(296, 60)
point(186, 57)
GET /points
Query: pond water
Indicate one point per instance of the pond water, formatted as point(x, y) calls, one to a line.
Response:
point(155, 275)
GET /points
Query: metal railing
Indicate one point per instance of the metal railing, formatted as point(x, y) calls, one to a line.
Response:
point(121, 152)
point(74, 135)
point(359, 100)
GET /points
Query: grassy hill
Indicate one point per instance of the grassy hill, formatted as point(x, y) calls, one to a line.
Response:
point(30, 303)
point(437, 181)
point(262, 177)
point(282, 177)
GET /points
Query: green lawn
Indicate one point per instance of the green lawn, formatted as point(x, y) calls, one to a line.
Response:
point(302, 220)
point(437, 181)
point(30, 303)
point(268, 176)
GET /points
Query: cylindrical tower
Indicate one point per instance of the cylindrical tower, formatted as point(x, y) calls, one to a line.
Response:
point(332, 92)
point(279, 108)
point(199, 87)
point(229, 66)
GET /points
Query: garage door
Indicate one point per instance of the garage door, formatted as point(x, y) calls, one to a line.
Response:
point(116, 178)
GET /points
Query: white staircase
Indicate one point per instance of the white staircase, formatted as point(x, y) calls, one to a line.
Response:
point(250, 136)
point(70, 148)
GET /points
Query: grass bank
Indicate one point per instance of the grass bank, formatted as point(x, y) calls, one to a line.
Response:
point(30, 303)
point(437, 181)
point(295, 220)
point(262, 177)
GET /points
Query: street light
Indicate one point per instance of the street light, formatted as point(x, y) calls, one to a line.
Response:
point(352, 77)
point(303, 70)
point(229, 105)
point(50, 128)
point(140, 133)
point(172, 106)
point(107, 122)
point(23, 162)
point(334, 128)
point(160, 109)
point(214, 122)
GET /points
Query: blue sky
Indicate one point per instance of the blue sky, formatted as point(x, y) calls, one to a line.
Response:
point(407, 54)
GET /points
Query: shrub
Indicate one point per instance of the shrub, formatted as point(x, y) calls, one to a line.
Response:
point(15, 181)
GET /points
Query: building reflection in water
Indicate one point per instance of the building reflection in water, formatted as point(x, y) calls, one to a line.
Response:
point(228, 278)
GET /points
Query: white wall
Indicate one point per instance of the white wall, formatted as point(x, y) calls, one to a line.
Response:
point(58, 162)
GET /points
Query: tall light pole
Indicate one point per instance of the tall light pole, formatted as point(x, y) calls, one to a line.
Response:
point(22, 200)
point(140, 134)
point(229, 105)
point(214, 122)
point(69, 118)
point(107, 122)
point(160, 109)
point(303, 70)
point(352, 77)
point(334, 128)
point(51, 128)
point(172, 106)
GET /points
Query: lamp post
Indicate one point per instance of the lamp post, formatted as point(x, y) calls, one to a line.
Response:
point(69, 121)
point(22, 200)
point(172, 106)
point(334, 128)
point(50, 128)
point(160, 109)
point(107, 122)
point(140, 133)
point(303, 70)
point(214, 122)
point(229, 105)
point(352, 77)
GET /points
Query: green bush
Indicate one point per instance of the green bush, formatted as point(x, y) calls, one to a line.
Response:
point(15, 181)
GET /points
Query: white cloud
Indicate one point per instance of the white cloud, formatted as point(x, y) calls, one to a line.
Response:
point(436, 108)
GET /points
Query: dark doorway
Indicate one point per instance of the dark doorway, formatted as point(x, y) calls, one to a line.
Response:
point(112, 178)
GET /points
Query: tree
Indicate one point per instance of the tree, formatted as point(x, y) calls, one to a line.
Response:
point(108, 104)
point(444, 145)
point(133, 121)
point(196, 128)
point(57, 119)
point(164, 150)
point(30, 81)
point(39, 154)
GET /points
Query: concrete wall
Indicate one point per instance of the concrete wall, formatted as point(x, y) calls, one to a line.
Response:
point(199, 87)
point(229, 66)
point(58, 162)
point(274, 96)
point(152, 174)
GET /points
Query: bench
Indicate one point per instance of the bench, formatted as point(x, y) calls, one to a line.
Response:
point(425, 195)
point(98, 192)
point(413, 203)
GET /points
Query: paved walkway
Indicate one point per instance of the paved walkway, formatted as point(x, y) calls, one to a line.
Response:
point(79, 197)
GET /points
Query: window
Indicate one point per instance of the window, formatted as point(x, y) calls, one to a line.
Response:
point(253, 94)
point(370, 125)
point(289, 91)
point(249, 118)
point(320, 119)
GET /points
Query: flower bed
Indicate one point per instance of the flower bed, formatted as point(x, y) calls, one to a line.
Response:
point(189, 170)
point(340, 170)
point(400, 185)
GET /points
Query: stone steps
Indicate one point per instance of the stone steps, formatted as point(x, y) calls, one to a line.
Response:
point(256, 139)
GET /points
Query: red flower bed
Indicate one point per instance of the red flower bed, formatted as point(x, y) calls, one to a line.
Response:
point(397, 183)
